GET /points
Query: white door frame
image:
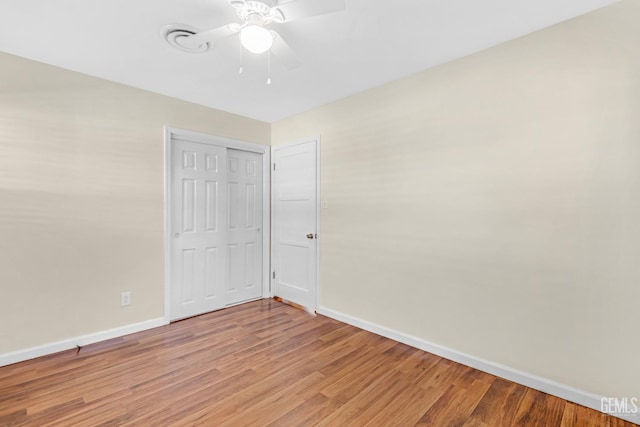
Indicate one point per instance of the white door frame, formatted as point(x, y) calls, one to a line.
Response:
point(169, 134)
point(318, 206)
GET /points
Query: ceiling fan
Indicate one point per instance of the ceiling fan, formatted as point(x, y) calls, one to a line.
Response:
point(255, 36)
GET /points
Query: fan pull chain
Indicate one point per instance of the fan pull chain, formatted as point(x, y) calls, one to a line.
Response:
point(269, 67)
point(241, 70)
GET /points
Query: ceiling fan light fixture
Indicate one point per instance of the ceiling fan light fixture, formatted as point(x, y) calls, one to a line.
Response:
point(256, 39)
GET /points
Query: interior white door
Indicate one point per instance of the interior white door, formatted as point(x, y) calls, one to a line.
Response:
point(244, 233)
point(199, 223)
point(295, 213)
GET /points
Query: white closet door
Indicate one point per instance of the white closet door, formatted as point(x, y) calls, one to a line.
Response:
point(244, 232)
point(198, 228)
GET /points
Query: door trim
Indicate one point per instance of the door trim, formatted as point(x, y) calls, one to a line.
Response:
point(171, 133)
point(317, 139)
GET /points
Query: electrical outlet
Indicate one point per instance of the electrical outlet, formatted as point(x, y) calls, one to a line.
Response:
point(125, 299)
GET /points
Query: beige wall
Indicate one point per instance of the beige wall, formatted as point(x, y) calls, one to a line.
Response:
point(492, 204)
point(489, 205)
point(81, 199)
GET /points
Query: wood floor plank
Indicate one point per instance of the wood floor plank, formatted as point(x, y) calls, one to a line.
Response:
point(266, 363)
point(12, 417)
point(500, 403)
point(407, 408)
point(579, 416)
point(363, 405)
point(440, 375)
point(310, 412)
point(265, 410)
point(456, 404)
point(539, 409)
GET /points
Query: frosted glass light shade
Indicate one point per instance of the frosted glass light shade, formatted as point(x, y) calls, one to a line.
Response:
point(256, 39)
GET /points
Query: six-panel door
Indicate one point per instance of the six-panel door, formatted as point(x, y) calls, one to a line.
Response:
point(199, 226)
point(216, 227)
point(244, 236)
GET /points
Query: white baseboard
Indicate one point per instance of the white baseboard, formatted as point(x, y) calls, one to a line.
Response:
point(55, 347)
point(563, 391)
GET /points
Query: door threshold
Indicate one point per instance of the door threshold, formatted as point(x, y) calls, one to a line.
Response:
point(295, 305)
point(242, 302)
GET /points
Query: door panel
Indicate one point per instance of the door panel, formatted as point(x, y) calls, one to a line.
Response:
point(294, 218)
point(211, 203)
point(244, 180)
point(211, 268)
point(189, 274)
point(197, 229)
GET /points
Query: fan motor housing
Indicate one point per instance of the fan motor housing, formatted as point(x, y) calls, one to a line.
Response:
point(245, 9)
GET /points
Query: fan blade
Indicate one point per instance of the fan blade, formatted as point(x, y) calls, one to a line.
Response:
point(237, 3)
point(284, 53)
point(208, 36)
point(298, 9)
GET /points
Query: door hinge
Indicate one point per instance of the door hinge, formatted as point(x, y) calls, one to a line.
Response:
point(274, 274)
point(274, 166)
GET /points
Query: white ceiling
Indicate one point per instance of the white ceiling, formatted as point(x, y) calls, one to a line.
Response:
point(372, 42)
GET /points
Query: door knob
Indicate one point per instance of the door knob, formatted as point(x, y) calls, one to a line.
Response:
point(176, 235)
point(310, 236)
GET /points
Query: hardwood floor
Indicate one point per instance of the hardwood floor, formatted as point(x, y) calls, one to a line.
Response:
point(266, 363)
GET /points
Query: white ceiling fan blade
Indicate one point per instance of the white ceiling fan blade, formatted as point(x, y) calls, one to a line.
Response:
point(298, 9)
point(208, 36)
point(284, 53)
point(237, 3)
